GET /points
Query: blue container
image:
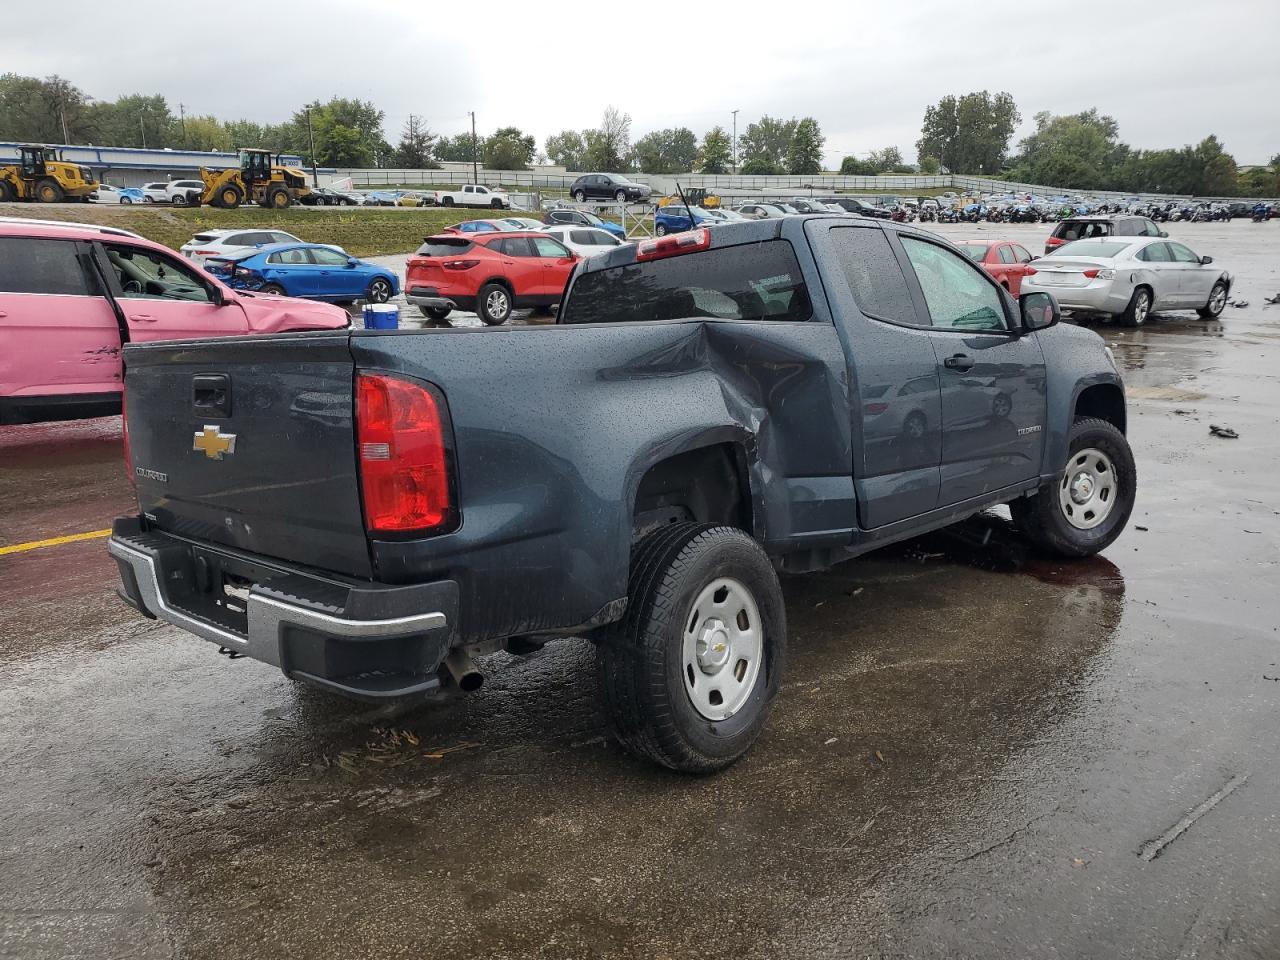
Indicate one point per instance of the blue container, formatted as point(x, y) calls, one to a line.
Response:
point(381, 316)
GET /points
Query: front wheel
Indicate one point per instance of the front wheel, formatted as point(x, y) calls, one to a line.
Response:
point(689, 674)
point(1217, 301)
point(436, 314)
point(1088, 505)
point(495, 304)
point(660, 229)
point(379, 291)
point(620, 196)
point(273, 289)
point(126, 200)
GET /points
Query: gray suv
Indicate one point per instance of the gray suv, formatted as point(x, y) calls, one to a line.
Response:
point(608, 186)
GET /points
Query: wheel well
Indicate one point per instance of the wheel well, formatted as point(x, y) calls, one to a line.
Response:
point(1104, 401)
point(500, 281)
point(707, 485)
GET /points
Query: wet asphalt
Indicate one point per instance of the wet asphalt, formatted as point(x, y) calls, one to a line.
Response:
point(977, 753)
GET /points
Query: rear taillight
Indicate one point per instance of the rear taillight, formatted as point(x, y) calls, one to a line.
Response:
point(459, 264)
point(673, 244)
point(1099, 274)
point(875, 408)
point(1054, 242)
point(124, 428)
point(402, 442)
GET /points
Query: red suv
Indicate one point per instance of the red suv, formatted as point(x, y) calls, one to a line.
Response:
point(488, 273)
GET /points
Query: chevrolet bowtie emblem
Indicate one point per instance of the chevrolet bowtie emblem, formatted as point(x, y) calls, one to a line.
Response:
point(213, 443)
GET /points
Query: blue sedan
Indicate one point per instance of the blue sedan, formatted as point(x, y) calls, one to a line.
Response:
point(309, 270)
point(674, 219)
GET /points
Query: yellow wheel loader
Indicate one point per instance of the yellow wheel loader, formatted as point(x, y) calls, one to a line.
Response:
point(260, 178)
point(42, 175)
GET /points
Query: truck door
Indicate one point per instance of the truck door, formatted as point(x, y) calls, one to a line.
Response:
point(895, 406)
point(992, 379)
point(58, 333)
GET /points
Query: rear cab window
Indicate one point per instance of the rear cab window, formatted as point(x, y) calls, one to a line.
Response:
point(51, 267)
point(444, 247)
point(756, 281)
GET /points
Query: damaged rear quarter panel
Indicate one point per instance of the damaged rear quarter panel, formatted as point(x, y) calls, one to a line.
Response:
point(555, 426)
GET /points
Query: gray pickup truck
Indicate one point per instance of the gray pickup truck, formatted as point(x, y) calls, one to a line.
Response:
point(368, 510)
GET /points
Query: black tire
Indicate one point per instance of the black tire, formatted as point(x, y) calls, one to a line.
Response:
point(147, 199)
point(620, 196)
point(273, 289)
point(1042, 519)
point(123, 200)
point(379, 290)
point(230, 197)
point(448, 202)
point(1139, 308)
point(660, 230)
point(580, 196)
point(49, 191)
point(639, 659)
point(178, 200)
point(496, 204)
point(1216, 303)
point(915, 425)
point(498, 311)
point(435, 313)
point(278, 198)
point(7, 192)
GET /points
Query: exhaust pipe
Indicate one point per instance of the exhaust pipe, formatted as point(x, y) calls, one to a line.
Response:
point(464, 671)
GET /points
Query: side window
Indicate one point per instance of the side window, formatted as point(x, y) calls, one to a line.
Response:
point(1020, 254)
point(145, 275)
point(958, 296)
point(1126, 228)
point(1155, 253)
point(43, 266)
point(515, 247)
point(1006, 254)
point(547, 247)
point(603, 239)
point(277, 237)
point(327, 258)
point(584, 237)
point(1181, 254)
point(874, 275)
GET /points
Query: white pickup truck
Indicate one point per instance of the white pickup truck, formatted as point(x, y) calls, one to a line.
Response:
point(472, 195)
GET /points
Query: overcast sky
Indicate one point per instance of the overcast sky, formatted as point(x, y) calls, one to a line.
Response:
point(1170, 72)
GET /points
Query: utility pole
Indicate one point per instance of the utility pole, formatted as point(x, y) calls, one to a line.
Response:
point(62, 111)
point(143, 127)
point(311, 135)
point(735, 141)
point(182, 114)
point(475, 154)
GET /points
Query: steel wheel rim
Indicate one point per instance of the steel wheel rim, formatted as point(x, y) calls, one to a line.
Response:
point(496, 303)
point(1219, 299)
point(1088, 490)
point(1142, 307)
point(722, 649)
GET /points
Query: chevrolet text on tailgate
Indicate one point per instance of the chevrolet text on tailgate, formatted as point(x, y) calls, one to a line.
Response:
point(368, 510)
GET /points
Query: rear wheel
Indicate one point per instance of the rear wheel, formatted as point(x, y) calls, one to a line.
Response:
point(435, 313)
point(448, 201)
point(580, 195)
point(689, 674)
point(48, 191)
point(1088, 505)
point(495, 304)
point(126, 200)
point(178, 200)
point(7, 192)
point(1135, 315)
point(273, 289)
point(1217, 301)
point(230, 196)
point(496, 204)
point(379, 291)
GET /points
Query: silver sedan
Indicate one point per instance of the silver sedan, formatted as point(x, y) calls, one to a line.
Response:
point(1129, 278)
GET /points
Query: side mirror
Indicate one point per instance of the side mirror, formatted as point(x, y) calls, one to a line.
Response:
point(1206, 260)
point(1035, 256)
point(1039, 311)
point(1164, 233)
point(217, 296)
point(352, 262)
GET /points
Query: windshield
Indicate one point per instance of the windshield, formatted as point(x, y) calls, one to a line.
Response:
point(1091, 248)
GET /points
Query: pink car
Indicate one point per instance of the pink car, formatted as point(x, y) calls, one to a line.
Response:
point(71, 295)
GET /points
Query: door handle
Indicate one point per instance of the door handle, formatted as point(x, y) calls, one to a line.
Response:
point(145, 317)
point(960, 361)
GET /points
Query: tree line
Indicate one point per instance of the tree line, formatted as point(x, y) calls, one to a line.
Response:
point(970, 133)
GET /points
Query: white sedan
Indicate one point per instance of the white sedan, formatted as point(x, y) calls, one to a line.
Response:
point(1129, 278)
point(106, 193)
point(583, 241)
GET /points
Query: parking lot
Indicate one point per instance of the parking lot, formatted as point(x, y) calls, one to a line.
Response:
point(977, 753)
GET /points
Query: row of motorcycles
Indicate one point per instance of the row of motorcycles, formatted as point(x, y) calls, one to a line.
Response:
point(1173, 211)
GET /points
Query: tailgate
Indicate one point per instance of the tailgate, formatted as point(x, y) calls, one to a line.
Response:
point(249, 442)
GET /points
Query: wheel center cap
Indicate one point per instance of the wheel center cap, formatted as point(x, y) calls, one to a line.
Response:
point(714, 647)
point(1081, 488)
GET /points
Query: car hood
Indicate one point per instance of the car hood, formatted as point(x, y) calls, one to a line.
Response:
point(269, 314)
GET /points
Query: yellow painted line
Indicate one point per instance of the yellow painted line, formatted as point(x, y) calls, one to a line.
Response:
point(54, 541)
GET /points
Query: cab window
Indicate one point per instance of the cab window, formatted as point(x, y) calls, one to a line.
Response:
point(329, 258)
point(145, 275)
point(30, 265)
point(547, 247)
point(958, 296)
point(1181, 254)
